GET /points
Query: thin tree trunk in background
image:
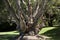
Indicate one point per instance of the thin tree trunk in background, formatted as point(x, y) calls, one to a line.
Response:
point(50, 23)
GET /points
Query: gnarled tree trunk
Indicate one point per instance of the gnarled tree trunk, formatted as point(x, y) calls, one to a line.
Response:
point(28, 21)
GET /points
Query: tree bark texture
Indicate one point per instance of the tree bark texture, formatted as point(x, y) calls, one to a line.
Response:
point(27, 22)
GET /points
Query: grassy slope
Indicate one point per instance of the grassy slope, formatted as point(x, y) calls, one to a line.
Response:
point(49, 31)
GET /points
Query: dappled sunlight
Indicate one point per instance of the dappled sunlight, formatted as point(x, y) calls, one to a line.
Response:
point(43, 30)
point(11, 32)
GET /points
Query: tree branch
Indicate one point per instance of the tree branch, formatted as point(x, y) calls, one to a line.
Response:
point(11, 10)
point(41, 11)
point(20, 11)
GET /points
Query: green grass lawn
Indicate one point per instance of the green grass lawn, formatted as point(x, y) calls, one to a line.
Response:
point(8, 35)
point(53, 32)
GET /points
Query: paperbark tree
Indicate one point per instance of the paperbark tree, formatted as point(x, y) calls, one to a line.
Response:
point(27, 19)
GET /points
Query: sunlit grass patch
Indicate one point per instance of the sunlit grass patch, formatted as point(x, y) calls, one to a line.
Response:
point(46, 29)
point(11, 32)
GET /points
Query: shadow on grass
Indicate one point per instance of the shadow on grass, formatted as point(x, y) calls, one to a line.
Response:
point(54, 33)
point(8, 37)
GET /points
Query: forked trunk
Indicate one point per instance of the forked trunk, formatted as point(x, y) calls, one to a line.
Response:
point(28, 22)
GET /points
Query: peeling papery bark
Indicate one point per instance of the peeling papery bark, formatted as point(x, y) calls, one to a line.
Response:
point(28, 23)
